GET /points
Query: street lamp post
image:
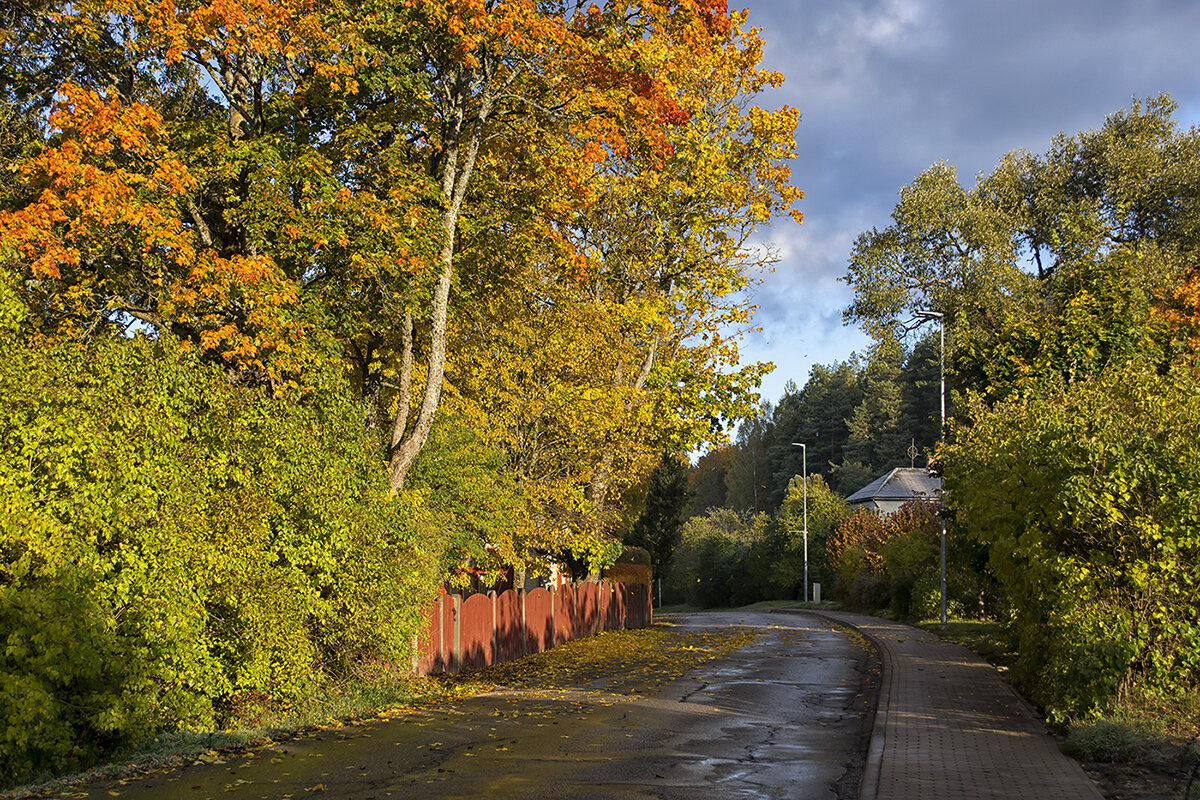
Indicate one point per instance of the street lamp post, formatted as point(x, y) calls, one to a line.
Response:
point(940, 317)
point(804, 468)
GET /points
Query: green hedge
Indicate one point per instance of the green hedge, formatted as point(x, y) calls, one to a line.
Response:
point(1088, 500)
point(171, 544)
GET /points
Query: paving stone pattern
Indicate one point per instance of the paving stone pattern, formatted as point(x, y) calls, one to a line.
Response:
point(949, 727)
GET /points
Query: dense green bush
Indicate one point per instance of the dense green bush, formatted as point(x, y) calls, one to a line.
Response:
point(723, 559)
point(825, 510)
point(171, 544)
point(1088, 500)
point(729, 559)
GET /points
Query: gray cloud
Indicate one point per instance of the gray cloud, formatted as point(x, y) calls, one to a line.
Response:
point(886, 88)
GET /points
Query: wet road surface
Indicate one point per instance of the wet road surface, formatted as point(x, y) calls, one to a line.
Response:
point(787, 716)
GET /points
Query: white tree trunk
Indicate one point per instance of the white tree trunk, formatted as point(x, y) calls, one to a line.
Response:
point(471, 108)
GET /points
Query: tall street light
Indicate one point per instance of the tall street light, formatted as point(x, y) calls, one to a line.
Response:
point(804, 462)
point(940, 317)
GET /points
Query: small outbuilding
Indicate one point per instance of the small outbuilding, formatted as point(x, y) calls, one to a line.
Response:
point(902, 485)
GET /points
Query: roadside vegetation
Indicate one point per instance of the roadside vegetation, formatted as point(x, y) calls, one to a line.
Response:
point(610, 662)
point(1142, 747)
point(1068, 288)
point(307, 310)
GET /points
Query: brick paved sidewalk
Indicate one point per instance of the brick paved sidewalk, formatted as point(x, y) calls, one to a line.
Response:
point(949, 727)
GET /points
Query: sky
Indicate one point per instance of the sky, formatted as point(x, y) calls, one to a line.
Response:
point(886, 88)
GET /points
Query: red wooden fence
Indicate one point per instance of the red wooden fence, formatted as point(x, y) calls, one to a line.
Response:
point(488, 628)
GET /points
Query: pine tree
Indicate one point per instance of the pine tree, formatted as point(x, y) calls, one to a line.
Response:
point(658, 528)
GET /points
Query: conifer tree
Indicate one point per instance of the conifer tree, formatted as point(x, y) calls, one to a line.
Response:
point(659, 526)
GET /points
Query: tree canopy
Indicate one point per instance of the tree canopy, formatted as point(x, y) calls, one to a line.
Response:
point(1067, 281)
point(859, 418)
point(1051, 266)
point(424, 191)
point(470, 266)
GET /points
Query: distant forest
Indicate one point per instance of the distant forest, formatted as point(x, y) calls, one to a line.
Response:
point(859, 418)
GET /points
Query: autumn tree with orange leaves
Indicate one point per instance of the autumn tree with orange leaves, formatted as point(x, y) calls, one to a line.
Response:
point(534, 216)
point(306, 308)
point(619, 339)
point(321, 161)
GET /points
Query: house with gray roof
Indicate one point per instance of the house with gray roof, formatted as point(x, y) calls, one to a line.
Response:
point(902, 485)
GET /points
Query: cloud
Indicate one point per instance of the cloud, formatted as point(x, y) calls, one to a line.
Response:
point(885, 88)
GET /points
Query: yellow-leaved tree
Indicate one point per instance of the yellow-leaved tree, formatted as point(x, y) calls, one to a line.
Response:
point(616, 338)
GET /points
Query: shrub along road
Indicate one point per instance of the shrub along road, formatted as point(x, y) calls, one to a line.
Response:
point(751, 705)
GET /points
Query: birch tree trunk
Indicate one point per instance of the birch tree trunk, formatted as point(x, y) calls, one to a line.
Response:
point(471, 99)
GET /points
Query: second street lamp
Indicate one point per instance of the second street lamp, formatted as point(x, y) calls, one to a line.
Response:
point(940, 317)
point(804, 468)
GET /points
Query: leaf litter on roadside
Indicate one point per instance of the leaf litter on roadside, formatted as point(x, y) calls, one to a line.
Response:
point(621, 662)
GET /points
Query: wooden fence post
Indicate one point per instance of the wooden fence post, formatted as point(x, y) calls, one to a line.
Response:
point(456, 656)
point(495, 634)
point(524, 625)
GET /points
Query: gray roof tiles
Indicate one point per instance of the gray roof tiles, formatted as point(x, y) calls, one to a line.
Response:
point(902, 483)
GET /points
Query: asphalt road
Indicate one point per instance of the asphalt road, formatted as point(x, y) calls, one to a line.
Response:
point(788, 716)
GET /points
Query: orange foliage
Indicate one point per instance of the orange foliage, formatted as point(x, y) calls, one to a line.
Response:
point(105, 224)
point(106, 182)
point(118, 222)
point(1181, 310)
point(857, 541)
point(863, 532)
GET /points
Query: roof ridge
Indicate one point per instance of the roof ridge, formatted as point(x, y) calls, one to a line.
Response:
point(912, 482)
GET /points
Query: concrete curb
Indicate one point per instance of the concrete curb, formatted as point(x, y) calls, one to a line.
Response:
point(947, 727)
point(869, 788)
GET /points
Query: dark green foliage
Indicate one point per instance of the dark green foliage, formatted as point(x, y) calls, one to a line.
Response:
point(878, 437)
point(730, 559)
point(850, 476)
point(638, 556)
point(858, 420)
point(829, 399)
point(172, 544)
point(750, 476)
point(816, 415)
point(657, 530)
point(706, 482)
point(723, 559)
point(464, 492)
point(921, 394)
